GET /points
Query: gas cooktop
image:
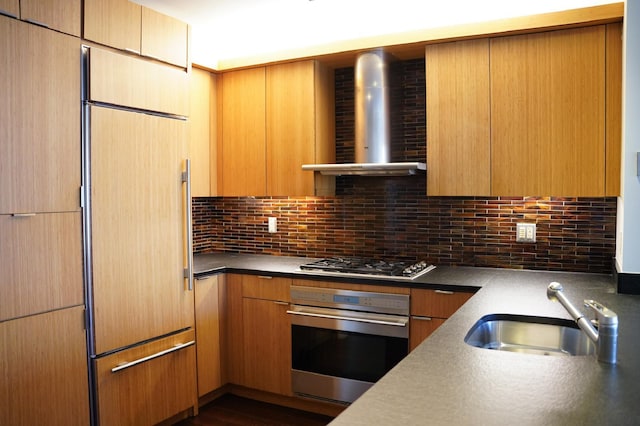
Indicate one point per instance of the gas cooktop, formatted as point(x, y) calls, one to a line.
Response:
point(366, 267)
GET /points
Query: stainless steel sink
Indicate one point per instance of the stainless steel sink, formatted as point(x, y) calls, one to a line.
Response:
point(530, 335)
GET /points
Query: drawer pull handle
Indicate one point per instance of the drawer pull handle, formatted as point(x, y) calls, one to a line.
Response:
point(422, 318)
point(177, 347)
point(443, 292)
point(18, 215)
point(281, 303)
point(265, 277)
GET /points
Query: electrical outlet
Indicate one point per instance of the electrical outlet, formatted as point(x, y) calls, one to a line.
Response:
point(273, 225)
point(525, 232)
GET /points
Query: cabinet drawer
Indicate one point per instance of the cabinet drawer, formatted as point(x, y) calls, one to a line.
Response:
point(437, 303)
point(41, 263)
point(43, 359)
point(128, 81)
point(150, 391)
point(266, 287)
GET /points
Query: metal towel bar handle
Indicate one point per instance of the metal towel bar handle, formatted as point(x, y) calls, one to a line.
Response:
point(337, 317)
point(177, 347)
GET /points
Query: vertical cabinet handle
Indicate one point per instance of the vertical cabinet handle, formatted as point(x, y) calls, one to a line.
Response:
point(186, 179)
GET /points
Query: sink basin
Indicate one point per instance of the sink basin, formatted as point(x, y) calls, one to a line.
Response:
point(530, 335)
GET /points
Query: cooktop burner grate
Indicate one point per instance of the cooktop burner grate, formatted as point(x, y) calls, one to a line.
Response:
point(367, 266)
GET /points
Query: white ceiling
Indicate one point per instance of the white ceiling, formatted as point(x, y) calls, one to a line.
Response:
point(227, 29)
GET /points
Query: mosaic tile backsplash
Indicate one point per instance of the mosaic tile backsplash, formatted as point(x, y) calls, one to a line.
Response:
point(392, 218)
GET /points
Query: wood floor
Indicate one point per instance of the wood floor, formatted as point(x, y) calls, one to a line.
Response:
point(234, 410)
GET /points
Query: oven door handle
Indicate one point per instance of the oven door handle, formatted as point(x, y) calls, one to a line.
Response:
point(399, 323)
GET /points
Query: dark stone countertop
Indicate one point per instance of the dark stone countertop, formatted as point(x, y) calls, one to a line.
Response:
point(444, 381)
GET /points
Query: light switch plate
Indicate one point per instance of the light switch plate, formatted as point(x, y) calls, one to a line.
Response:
point(273, 225)
point(525, 232)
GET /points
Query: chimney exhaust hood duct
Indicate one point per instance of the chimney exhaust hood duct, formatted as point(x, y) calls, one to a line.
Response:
point(372, 129)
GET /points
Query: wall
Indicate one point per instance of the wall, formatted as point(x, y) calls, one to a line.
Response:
point(392, 218)
point(628, 241)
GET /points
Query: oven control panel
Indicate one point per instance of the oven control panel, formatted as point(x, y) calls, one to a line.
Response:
point(348, 299)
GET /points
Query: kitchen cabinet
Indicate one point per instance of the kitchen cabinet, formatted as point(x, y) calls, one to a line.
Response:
point(258, 335)
point(202, 133)
point(128, 26)
point(164, 38)
point(10, 7)
point(458, 124)
point(136, 83)
point(273, 120)
point(548, 113)
point(60, 15)
point(53, 242)
point(242, 151)
point(534, 114)
point(300, 127)
point(430, 309)
point(266, 333)
point(208, 297)
point(43, 360)
point(613, 108)
point(115, 23)
point(167, 377)
point(39, 120)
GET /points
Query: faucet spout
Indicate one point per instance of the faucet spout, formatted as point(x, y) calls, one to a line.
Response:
point(606, 337)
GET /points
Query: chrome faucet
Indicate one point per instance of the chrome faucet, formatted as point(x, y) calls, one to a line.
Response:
point(605, 336)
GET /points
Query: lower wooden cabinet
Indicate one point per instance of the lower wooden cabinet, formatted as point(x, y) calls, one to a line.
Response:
point(43, 360)
point(160, 385)
point(430, 309)
point(207, 307)
point(259, 332)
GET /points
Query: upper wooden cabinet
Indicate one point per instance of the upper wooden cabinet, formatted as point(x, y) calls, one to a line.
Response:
point(164, 38)
point(613, 119)
point(242, 149)
point(10, 7)
point(61, 15)
point(116, 23)
point(202, 134)
point(129, 81)
point(548, 113)
point(553, 125)
point(300, 125)
point(128, 26)
point(39, 119)
point(458, 124)
point(273, 120)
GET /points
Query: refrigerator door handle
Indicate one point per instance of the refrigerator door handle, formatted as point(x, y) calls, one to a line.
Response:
point(186, 179)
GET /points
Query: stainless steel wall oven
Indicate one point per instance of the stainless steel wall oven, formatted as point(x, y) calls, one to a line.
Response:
point(344, 341)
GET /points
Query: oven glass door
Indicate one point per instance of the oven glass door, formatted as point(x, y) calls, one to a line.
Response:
point(345, 354)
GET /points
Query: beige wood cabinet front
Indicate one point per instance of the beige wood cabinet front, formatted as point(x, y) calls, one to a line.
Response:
point(58, 15)
point(209, 294)
point(43, 359)
point(147, 384)
point(273, 120)
point(39, 119)
point(430, 309)
point(546, 106)
point(202, 133)
point(259, 332)
point(128, 26)
point(10, 7)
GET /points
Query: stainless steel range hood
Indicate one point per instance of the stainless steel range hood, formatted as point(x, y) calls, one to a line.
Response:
point(372, 130)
